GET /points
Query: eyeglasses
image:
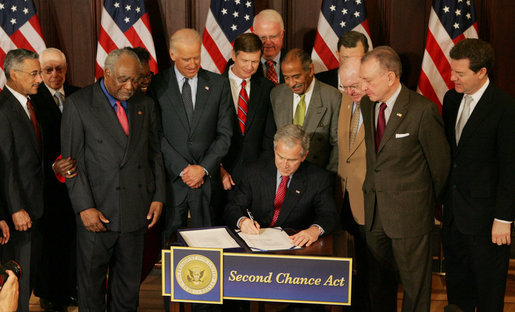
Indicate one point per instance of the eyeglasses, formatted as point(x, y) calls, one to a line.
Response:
point(49, 70)
point(271, 38)
point(33, 74)
point(354, 87)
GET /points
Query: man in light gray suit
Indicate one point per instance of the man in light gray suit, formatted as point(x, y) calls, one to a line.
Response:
point(197, 122)
point(311, 104)
point(111, 130)
point(408, 161)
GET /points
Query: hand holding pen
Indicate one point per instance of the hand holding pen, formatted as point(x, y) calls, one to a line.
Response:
point(249, 225)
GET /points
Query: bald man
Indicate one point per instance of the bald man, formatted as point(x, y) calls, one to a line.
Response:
point(197, 122)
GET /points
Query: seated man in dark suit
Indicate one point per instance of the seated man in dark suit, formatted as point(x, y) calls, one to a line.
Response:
point(290, 193)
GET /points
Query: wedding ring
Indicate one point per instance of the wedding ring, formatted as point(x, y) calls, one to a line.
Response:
point(69, 172)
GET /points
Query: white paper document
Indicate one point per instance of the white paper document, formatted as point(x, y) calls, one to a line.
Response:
point(268, 239)
point(209, 238)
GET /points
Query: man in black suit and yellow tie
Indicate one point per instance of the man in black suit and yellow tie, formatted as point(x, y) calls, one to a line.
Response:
point(289, 192)
point(110, 129)
point(408, 163)
point(197, 123)
point(21, 170)
point(479, 205)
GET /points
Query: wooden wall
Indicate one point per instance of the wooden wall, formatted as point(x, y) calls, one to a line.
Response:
point(73, 26)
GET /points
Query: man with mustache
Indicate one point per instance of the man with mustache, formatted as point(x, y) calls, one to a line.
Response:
point(21, 170)
point(310, 104)
point(119, 191)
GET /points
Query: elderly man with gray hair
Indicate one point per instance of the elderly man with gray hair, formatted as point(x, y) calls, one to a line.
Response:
point(287, 192)
point(111, 130)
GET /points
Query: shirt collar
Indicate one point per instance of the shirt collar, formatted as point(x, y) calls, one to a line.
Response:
point(476, 96)
point(276, 59)
point(233, 77)
point(112, 100)
point(391, 101)
point(53, 91)
point(20, 97)
point(180, 77)
point(309, 91)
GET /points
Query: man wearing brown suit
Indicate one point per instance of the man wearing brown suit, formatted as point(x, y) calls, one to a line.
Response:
point(408, 161)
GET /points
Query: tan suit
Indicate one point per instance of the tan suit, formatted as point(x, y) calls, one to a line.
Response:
point(352, 162)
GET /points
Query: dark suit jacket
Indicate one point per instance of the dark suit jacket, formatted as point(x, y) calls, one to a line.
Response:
point(320, 123)
point(482, 181)
point(259, 129)
point(208, 138)
point(407, 174)
point(49, 117)
point(329, 77)
point(21, 165)
point(309, 199)
point(118, 175)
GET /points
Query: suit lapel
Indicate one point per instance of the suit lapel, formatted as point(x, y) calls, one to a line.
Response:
point(137, 115)
point(344, 123)
point(398, 113)
point(281, 115)
point(25, 122)
point(202, 97)
point(316, 111)
point(293, 195)
point(254, 100)
point(175, 99)
point(106, 116)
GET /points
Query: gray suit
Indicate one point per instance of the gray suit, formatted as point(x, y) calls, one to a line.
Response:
point(203, 143)
point(320, 123)
point(404, 179)
point(120, 176)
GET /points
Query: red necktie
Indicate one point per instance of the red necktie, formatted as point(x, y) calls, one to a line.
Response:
point(270, 72)
point(279, 198)
point(34, 122)
point(381, 125)
point(122, 117)
point(243, 101)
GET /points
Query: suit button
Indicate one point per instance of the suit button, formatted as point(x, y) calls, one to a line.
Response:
point(117, 188)
point(348, 161)
point(377, 170)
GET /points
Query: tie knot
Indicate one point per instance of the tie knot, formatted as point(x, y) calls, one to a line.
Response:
point(270, 63)
point(467, 99)
point(302, 96)
point(58, 94)
point(243, 83)
point(285, 179)
point(383, 106)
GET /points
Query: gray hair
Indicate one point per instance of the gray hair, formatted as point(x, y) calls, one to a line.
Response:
point(115, 55)
point(270, 16)
point(188, 35)
point(15, 58)
point(388, 59)
point(292, 135)
point(51, 51)
point(301, 55)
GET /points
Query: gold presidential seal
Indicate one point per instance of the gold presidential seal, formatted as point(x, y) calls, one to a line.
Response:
point(196, 274)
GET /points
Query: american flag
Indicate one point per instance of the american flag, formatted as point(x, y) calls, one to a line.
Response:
point(226, 20)
point(336, 18)
point(19, 28)
point(450, 22)
point(124, 23)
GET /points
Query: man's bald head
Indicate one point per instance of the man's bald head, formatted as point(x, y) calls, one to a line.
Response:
point(186, 35)
point(185, 46)
point(349, 77)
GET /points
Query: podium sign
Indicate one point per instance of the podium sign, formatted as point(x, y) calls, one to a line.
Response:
point(210, 275)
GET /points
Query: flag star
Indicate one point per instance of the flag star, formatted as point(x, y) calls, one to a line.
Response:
point(456, 25)
point(248, 4)
point(127, 19)
point(1, 6)
point(13, 21)
point(458, 12)
point(358, 1)
point(236, 1)
point(446, 9)
point(138, 9)
point(468, 16)
point(235, 14)
point(344, 11)
point(233, 27)
point(356, 14)
point(224, 11)
point(26, 11)
point(246, 17)
point(128, 7)
point(13, 8)
point(117, 5)
point(343, 24)
point(332, 8)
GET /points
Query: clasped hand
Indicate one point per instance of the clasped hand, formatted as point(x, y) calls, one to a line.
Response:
point(193, 176)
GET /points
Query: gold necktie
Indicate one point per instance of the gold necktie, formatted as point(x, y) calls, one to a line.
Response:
point(300, 112)
point(354, 124)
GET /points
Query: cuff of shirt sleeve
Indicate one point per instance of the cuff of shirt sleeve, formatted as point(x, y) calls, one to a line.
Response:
point(503, 221)
point(320, 228)
point(238, 222)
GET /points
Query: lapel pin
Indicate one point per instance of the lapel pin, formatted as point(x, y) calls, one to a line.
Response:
point(207, 88)
point(140, 113)
point(297, 191)
point(399, 115)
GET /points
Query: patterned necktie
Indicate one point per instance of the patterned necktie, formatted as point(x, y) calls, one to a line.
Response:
point(243, 101)
point(60, 100)
point(122, 117)
point(381, 125)
point(34, 122)
point(187, 100)
point(354, 124)
point(465, 113)
point(271, 74)
point(279, 198)
point(300, 112)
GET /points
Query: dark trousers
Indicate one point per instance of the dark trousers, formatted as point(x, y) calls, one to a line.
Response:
point(476, 270)
point(391, 260)
point(25, 249)
point(120, 254)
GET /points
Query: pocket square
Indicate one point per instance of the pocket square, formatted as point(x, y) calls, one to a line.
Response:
point(401, 135)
